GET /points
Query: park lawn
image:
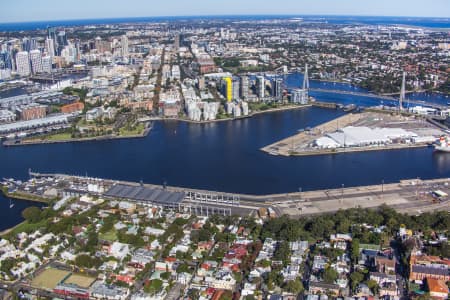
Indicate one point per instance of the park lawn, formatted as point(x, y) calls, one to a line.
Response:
point(110, 236)
point(51, 137)
point(139, 129)
point(27, 227)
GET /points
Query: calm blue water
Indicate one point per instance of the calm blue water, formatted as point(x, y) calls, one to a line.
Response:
point(12, 216)
point(295, 80)
point(422, 22)
point(225, 156)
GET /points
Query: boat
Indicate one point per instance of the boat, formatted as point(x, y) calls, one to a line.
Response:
point(349, 108)
point(11, 205)
point(442, 145)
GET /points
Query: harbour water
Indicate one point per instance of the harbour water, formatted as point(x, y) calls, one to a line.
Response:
point(225, 156)
point(11, 216)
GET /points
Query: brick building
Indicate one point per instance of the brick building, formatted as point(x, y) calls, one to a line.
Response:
point(32, 111)
point(73, 107)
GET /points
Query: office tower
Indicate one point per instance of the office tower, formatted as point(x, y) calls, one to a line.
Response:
point(260, 86)
point(36, 61)
point(53, 45)
point(50, 47)
point(47, 62)
point(244, 87)
point(236, 85)
point(5, 60)
point(124, 45)
point(177, 42)
point(33, 44)
point(277, 88)
point(26, 44)
point(61, 42)
point(69, 53)
point(23, 63)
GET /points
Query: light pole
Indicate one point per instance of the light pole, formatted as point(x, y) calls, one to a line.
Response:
point(382, 188)
point(342, 193)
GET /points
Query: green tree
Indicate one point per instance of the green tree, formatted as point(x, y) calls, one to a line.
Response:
point(153, 286)
point(7, 264)
point(32, 214)
point(183, 268)
point(330, 275)
point(165, 275)
point(373, 286)
point(355, 250)
point(294, 286)
point(356, 278)
point(86, 261)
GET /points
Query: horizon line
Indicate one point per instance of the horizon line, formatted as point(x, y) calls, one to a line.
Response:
point(226, 15)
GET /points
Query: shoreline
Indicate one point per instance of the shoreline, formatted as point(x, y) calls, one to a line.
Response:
point(270, 110)
point(77, 140)
point(316, 201)
point(148, 129)
point(23, 196)
point(8, 230)
point(357, 149)
point(285, 147)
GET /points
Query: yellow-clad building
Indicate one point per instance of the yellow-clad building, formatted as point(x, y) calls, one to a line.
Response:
point(228, 88)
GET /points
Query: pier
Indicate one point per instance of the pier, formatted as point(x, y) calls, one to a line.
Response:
point(412, 196)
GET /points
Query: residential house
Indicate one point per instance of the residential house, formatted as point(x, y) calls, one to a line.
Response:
point(323, 288)
point(437, 288)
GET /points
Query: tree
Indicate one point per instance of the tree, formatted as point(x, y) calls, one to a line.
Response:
point(330, 275)
point(7, 264)
point(92, 241)
point(356, 278)
point(153, 286)
point(165, 275)
point(265, 263)
point(373, 286)
point(294, 286)
point(183, 268)
point(193, 294)
point(355, 250)
point(86, 261)
point(32, 214)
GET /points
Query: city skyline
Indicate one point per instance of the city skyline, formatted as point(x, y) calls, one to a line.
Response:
point(47, 10)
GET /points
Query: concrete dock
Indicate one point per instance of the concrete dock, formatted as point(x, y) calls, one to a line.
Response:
point(412, 196)
point(288, 145)
point(304, 143)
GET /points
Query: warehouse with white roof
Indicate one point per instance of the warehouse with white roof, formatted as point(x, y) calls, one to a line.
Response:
point(362, 136)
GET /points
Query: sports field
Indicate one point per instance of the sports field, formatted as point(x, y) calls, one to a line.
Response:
point(80, 280)
point(49, 278)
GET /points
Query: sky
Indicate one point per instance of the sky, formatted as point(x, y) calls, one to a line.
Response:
point(46, 10)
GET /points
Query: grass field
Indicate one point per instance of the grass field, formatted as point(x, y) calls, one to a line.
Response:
point(49, 278)
point(110, 236)
point(51, 137)
point(80, 280)
point(139, 129)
